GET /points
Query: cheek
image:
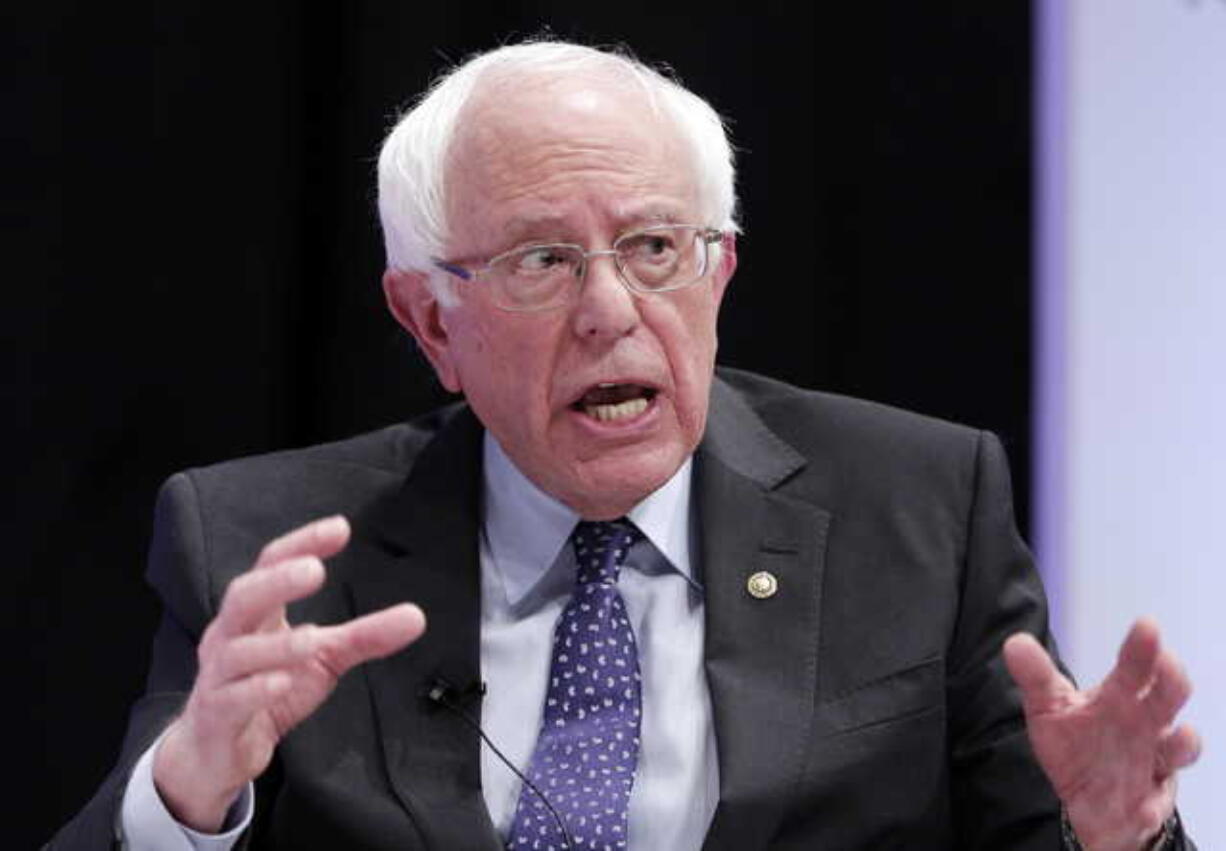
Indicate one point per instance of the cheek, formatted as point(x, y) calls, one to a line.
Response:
point(688, 337)
point(476, 358)
point(485, 343)
point(505, 364)
point(697, 328)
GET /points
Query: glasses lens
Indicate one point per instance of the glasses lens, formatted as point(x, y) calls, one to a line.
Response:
point(536, 277)
point(664, 257)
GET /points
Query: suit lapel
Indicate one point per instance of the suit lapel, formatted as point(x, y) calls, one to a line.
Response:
point(761, 654)
point(421, 545)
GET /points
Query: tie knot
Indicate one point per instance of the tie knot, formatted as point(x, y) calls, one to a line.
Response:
point(601, 547)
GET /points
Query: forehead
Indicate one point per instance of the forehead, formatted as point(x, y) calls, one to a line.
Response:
point(544, 152)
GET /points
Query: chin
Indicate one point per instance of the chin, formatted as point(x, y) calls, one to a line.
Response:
point(613, 484)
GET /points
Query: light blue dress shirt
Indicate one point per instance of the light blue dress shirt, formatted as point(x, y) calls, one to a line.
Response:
point(527, 574)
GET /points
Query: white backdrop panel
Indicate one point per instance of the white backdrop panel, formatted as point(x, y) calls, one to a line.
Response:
point(1132, 382)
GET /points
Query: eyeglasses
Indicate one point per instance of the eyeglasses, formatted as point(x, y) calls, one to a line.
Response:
point(654, 259)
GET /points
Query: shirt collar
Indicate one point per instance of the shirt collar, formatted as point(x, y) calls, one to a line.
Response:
point(526, 528)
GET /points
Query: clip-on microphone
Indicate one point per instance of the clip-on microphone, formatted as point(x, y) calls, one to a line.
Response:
point(441, 692)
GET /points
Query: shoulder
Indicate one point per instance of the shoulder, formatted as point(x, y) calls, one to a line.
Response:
point(386, 455)
point(811, 417)
point(222, 514)
point(853, 451)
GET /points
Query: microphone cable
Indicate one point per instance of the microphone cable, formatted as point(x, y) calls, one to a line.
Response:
point(440, 692)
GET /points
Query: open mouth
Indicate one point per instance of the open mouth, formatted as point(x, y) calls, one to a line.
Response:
point(613, 402)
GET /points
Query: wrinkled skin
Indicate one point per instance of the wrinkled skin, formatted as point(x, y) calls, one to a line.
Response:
point(579, 161)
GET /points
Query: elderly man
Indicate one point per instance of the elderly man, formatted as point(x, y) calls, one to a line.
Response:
point(695, 609)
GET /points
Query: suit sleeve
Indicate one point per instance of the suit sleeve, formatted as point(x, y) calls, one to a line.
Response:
point(1001, 798)
point(176, 571)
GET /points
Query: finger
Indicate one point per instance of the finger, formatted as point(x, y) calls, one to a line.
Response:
point(1042, 685)
point(231, 707)
point(1179, 749)
point(1170, 691)
point(1150, 815)
point(1134, 667)
point(320, 538)
point(256, 595)
point(254, 653)
point(370, 637)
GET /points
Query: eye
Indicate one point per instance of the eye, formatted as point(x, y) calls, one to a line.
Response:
point(543, 258)
point(654, 247)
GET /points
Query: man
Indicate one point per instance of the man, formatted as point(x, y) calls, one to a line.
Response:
point(709, 612)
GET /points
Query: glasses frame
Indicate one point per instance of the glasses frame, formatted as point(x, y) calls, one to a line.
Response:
point(706, 235)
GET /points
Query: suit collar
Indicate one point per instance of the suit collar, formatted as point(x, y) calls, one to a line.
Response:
point(420, 544)
point(739, 440)
point(761, 653)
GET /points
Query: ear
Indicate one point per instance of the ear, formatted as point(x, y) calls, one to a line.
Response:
point(418, 311)
point(726, 265)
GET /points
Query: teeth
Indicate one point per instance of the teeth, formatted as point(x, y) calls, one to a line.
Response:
point(622, 410)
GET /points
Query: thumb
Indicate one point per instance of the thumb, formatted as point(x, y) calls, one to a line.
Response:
point(373, 636)
point(1043, 687)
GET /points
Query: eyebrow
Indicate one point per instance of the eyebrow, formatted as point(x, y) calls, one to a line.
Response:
point(655, 213)
point(522, 229)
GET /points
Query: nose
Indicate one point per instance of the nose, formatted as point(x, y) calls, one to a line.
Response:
point(606, 308)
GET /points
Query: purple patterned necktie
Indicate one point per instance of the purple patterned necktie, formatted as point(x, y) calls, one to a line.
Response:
point(588, 746)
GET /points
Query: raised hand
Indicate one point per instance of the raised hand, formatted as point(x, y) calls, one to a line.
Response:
point(1111, 752)
point(259, 677)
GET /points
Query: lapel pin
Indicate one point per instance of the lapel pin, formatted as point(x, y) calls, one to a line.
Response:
point(762, 585)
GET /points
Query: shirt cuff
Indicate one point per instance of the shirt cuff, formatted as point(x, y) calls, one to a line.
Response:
point(146, 824)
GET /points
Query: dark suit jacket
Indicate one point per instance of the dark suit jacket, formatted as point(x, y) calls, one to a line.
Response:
point(864, 705)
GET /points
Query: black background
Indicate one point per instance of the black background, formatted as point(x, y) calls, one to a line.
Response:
point(193, 263)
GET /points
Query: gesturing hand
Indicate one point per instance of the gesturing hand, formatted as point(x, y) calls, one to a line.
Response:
point(259, 677)
point(1110, 752)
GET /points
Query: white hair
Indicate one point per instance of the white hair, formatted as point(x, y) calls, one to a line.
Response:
point(413, 160)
